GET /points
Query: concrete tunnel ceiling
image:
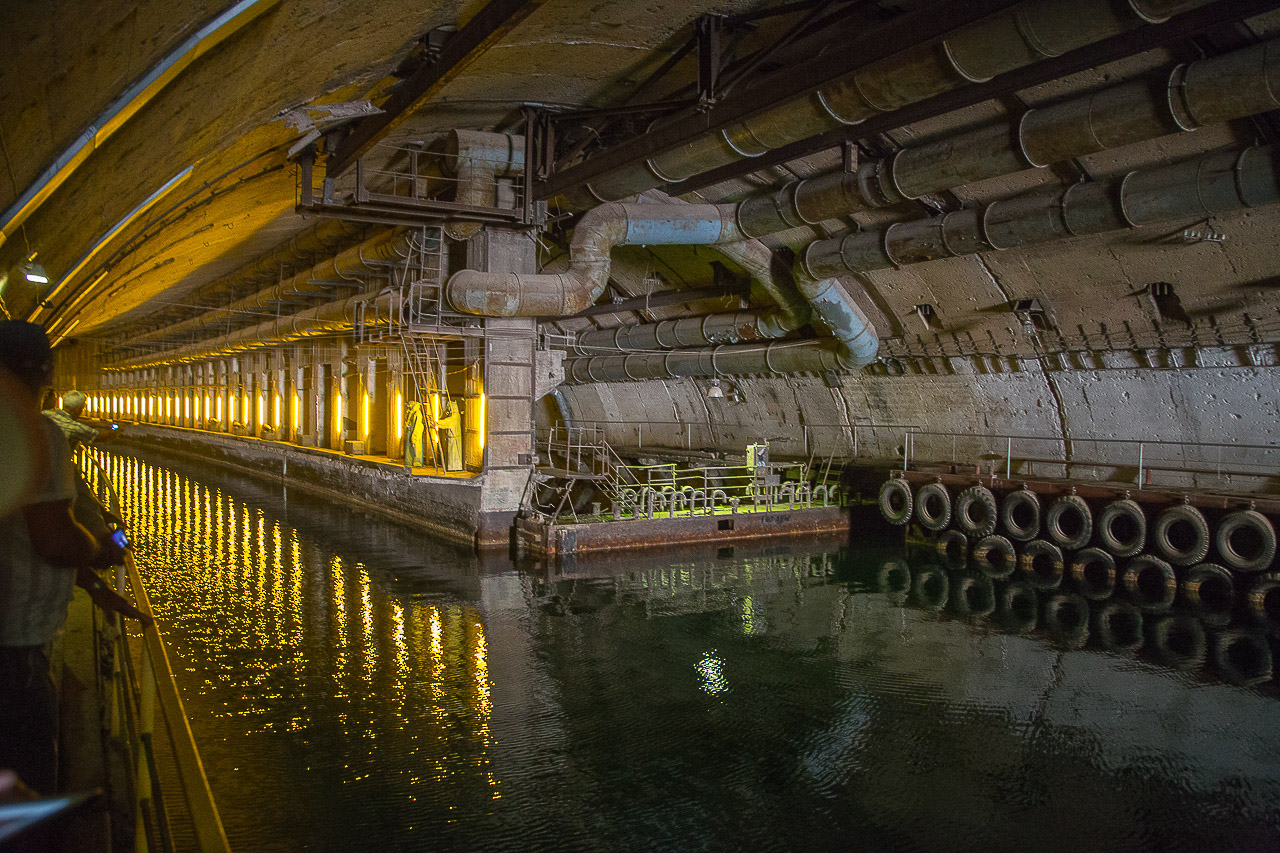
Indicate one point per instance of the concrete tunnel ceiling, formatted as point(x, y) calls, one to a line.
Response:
point(224, 116)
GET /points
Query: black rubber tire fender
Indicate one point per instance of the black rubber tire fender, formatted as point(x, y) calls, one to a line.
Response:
point(995, 557)
point(1253, 557)
point(1242, 657)
point(1264, 602)
point(1042, 564)
point(1210, 590)
point(1150, 582)
point(1162, 534)
point(1120, 513)
point(972, 594)
point(930, 587)
point(1019, 607)
point(1065, 617)
point(1117, 625)
point(933, 507)
point(1094, 572)
point(1016, 504)
point(1059, 527)
point(953, 547)
point(896, 501)
point(976, 513)
point(1178, 640)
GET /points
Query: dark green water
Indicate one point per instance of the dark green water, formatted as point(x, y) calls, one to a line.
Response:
point(356, 686)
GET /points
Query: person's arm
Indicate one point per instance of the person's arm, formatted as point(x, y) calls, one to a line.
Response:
point(107, 598)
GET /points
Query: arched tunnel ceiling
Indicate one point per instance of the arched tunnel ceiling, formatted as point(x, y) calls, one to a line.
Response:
point(222, 116)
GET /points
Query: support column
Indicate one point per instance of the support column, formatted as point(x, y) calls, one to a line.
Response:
point(500, 396)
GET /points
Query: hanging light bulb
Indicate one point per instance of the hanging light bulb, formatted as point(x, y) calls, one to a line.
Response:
point(714, 391)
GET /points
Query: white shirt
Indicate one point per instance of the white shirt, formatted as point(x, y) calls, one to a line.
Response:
point(34, 594)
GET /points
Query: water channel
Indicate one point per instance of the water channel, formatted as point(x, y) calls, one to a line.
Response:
point(354, 685)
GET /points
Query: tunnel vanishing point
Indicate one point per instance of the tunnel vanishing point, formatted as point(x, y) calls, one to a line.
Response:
point(573, 276)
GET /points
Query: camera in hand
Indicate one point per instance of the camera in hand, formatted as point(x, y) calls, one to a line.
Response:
point(120, 539)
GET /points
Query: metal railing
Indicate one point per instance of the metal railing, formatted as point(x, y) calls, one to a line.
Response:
point(1144, 462)
point(138, 687)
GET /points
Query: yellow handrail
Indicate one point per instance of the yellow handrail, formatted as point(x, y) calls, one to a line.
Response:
point(158, 684)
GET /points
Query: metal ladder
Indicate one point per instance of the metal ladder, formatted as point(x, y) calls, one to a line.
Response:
point(423, 358)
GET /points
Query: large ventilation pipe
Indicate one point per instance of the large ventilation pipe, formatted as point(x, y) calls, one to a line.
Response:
point(789, 312)
point(346, 267)
point(1212, 91)
point(1013, 39)
point(1212, 184)
point(599, 231)
point(477, 161)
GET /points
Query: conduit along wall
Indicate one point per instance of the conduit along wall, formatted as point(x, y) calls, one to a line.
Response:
point(1212, 91)
point(1004, 42)
point(345, 269)
point(1215, 183)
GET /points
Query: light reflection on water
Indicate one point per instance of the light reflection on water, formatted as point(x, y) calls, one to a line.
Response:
point(356, 686)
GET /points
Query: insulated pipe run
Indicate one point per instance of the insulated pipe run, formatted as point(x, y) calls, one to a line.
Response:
point(854, 345)
point(345, 267)
point(1211, 184)
point(328, 319)
point(1211, 91)
point(1013, 39)
point(599, 231)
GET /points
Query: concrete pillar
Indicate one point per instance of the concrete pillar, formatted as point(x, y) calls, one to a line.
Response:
point(504, 405)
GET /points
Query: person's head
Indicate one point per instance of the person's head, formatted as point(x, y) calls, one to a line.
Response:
point(25, 352)
point(73, 403)
point(49, 400)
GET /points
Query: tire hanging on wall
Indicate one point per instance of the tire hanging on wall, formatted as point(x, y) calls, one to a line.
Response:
point(1182, 535)
point(1150, 582)
point(1178, 640)
point(1094, 573)
point(1019, 608)
point(975, 512)
point(953, 547)
point(895, 501)
point(995, 557)
point(1246, 541)
point(1210, 590)
point(1042, 564)
point(1242, 657)
point(1066, 618)
point(1122, 528)
point(1020, 515)
point(1118, 627)
point(1069, 522)
point(933, 507)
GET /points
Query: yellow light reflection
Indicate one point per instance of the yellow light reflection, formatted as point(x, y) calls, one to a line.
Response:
point(399, 416)
point(365, 421)
point(275, 411)
point(481, 421)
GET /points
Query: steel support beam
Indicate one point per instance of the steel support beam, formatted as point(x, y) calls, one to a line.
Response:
point(1180, 28)
point(487, 28)
point(922, 27)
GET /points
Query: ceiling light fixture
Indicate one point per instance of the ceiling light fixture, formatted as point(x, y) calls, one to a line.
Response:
point(32, 271)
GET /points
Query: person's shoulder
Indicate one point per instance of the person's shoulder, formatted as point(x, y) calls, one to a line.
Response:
point(59, 446)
